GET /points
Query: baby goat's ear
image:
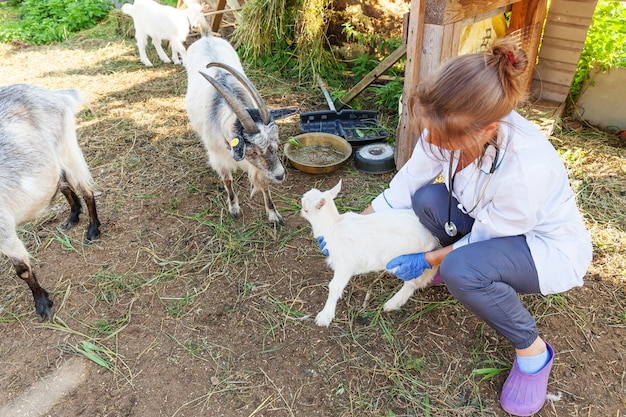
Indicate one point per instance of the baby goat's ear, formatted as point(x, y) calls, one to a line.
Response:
point(335, 190)
point(320, 204)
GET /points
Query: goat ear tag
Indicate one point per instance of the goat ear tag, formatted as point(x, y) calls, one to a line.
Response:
point(237, 148)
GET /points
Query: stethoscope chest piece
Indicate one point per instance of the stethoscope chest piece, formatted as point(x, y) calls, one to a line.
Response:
point(450, 229)
point(449, 226)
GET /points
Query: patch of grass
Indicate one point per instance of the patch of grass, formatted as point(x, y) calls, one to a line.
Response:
point(489, 368)
point(226, 380)
point(193, 347)
point(176, 306)
point(108, 326)
point(90, 348)
point(65, 241)
point(110, 286)
point(273, 326)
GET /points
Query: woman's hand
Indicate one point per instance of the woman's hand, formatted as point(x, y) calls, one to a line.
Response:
point(408, 267)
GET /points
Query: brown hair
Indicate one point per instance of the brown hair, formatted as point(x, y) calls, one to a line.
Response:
point(471, 91)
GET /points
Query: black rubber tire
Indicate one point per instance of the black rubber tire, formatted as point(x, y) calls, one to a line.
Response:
point(375, 158)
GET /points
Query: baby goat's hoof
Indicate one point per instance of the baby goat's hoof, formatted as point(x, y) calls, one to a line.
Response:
point(391, 305)
point(323, 318)
point(396, 302)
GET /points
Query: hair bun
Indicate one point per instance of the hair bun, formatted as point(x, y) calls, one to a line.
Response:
point(510, 56)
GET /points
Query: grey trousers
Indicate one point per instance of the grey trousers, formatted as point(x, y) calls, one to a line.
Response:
point(487, 276)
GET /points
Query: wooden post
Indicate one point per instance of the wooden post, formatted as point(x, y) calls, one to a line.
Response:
point(529, 15)
point(217, 19)
point(406, 129)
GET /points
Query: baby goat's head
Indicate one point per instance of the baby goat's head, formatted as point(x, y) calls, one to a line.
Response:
point(255, 134)
point(194, 12)
point(314, 201)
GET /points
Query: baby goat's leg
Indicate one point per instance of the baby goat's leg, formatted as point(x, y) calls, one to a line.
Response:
point(142, 42)
point(407, 290)
point(14, 249)
point(335, 292)
point(157, 45)
point(178, 49)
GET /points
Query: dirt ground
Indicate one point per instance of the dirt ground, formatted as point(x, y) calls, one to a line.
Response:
point(184, 311)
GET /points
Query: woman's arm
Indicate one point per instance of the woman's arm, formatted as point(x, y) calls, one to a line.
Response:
point(435, 257)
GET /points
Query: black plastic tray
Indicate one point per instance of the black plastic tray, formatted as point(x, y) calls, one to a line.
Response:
point(358, 127)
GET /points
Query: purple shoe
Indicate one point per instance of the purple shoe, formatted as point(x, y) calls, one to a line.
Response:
point(524, 394)
point(436, 279)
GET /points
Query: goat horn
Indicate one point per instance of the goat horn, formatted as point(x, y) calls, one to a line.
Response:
point(265, 116)
point(240, 111)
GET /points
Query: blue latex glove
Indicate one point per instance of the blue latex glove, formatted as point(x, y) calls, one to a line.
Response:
point(408, 267)
point(322, 242)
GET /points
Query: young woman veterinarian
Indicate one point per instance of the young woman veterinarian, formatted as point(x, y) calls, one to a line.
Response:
point(505, 214)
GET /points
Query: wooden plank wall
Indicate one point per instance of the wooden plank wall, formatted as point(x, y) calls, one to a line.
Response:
point(563, 40)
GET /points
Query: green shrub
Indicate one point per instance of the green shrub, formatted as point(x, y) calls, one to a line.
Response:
point(605, 46)
point(47, 21)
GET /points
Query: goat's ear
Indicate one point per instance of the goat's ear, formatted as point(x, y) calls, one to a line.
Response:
point(335, 190)
point(237, 148)
point(320, 204)
point(278, 114)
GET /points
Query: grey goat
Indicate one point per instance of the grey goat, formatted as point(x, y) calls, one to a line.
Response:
point(39, 155)
point(233, 122)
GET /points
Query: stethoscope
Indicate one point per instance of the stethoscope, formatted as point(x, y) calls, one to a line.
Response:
point(449, 226)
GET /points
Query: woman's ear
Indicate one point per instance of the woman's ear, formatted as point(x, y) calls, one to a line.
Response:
point(491, 129)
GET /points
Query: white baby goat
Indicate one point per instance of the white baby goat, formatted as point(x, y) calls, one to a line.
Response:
point(232, 120)
point(163, 23)
point(358, 244)
point(39, 155)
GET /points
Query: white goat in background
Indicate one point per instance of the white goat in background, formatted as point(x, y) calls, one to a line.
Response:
point(358, 244)
point(233, 122)
point(39, 155)
point(163, 23)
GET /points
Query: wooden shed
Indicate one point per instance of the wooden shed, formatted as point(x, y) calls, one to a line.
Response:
point(552, 38)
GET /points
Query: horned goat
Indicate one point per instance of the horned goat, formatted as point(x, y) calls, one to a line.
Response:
point(39, 155)
point(362, 243)
point(233, 122)
point(163, 23)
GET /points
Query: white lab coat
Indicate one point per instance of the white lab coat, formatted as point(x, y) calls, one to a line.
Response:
point(529, 194)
